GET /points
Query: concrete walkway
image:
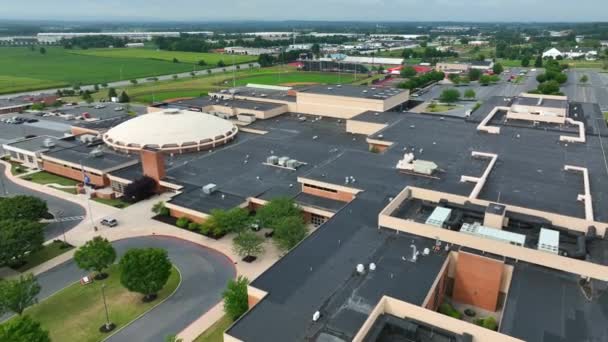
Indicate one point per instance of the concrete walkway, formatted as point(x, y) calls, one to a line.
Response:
point(136, 221)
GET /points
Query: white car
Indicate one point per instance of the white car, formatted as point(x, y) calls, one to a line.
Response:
point(100, 106)
point(118, 109)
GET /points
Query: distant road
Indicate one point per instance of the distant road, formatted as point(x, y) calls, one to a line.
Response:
point(124, 83)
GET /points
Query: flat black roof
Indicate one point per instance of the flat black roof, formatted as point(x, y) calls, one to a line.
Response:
point(82, 154)
point(37, 144)
point(320, 275)
point(549, 306)
point(378, 117)
point(200, 102)
point(319, 202)
point(195, 198)
point(540, 102)
point(374, 93)
point(262, 93)
point(131, 173)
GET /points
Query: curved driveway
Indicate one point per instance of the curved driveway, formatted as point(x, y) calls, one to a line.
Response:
point(204, 272)
point(70, 211)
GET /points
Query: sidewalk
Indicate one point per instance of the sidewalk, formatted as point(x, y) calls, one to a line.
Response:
point(135, 221)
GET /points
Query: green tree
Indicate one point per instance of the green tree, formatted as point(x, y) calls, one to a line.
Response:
point(221, 64)
point(485, 80)
point(23, 329)
point(22, 207)
point(474, 74)
point(226, 221)
point(408, 72)
point(175, 60)
point(86, 95)
point(455, 78)
point(289, 231)
point(549, 88)
point(96, 87)
point(173, 338)
point(248, 243)
point(145, 270)
point(160, 209)
point(235, 298)
point(133, 81)
point(124, 97)
point(316, 49)
point(497, 68)
point(450, 95)
point(112, 93)
point(469, 94)
point(538, 63)
point(584, 79)
point(96, 255)
point(42, 51)
point(175, 77)
point(525, 62)
point(17, 294)
point(17, 239)
point(202, 63)
point(275, 210)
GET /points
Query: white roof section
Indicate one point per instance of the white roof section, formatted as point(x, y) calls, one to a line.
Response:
point(439, 216)
point(494, 234)
point(548, 241)
point(373, 60)
point(169, 129)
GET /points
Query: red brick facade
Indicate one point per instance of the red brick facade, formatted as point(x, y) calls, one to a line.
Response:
point(74, 173)
point(329, 193)
point(477, 281)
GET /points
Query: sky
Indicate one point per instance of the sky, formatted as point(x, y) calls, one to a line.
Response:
point(272, 10)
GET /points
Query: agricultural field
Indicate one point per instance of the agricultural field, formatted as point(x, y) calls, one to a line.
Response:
point(23, 69)
point(211, 59)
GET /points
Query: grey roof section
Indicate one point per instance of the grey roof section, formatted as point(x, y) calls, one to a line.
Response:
point(546, 103)
point(319, 202)
point(200, 102)
point(262, 93)
point(13, 102)
point(130, 173)
point(81, 154)
point(549, 306)
point(374, 93)
point(319, 275)
point(37, 144)
point(104, 124)
point(378, 117)
point(109, 110)
point(195, 198)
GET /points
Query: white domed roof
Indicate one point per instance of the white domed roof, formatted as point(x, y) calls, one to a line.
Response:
point(170, 129)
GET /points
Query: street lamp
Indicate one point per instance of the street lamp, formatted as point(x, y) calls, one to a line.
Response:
point(107, 326)
point(58, 214)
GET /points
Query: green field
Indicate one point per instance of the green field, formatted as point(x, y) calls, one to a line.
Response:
point(187, 57)
point(215, 333)
point(47, 253)
point(76, 312)
point(22, 69)
point(295, 78)
point(44, 178)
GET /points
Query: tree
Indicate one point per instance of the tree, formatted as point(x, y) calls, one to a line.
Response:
point(86, 95)
point(96, 255)
point(450, 95)
point(549, 88)
point(538, 63)
point(584, 79)
point(221, 64)
point(469, 94)
point(236, 298)
point(497, 68)
point(160, 209)
point(42, 51)
point(202, 63)
point(316, 49)
point(175, 77)
point(140, 189)
point(525, 62)
point(275, 210)
point(133, 81)
point(17, 294)
point(124, 97)
point(408, 72)
point(455, 78)
point(112, 93)
point(225, 221)
point(23, 329)
point(485, 80)
point(22, 207)
point(289, 231)
point(266, 60)
point(173, 338)
point(248, 244)
point(17, 239)
point(175, 60)
point(145, 270)
point(474, 74)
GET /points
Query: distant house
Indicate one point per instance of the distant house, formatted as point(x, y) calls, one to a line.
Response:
point(578, 52)
point(552, 53)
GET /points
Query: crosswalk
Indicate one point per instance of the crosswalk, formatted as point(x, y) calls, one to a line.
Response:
point(66, 219)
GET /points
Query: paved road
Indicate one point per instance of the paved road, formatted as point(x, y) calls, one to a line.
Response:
point(204, 272)
point(124, 83)
point(68, 209)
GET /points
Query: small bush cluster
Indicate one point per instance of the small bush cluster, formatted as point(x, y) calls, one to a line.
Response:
point(448, 310)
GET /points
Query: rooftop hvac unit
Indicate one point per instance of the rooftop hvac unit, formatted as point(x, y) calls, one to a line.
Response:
point(209, 188)
point(439, 216)
point(493, 234)
point(273, 160)
point(172, 111)
point(48, 142)
point(292, 163)
point(283, 161)
point(96, 153)
point(548, 241)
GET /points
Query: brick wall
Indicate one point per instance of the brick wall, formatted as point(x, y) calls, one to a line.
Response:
point(338, 196)
point(477, 280)
point(177, 214)
point(68, 172)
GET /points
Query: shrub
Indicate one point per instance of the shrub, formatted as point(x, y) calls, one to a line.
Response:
point(182, 222)
point(448, 310)
point(488, 323)
point(193, 226)
point(235, 298)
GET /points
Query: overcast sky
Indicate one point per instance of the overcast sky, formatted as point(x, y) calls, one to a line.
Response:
point(369, 10)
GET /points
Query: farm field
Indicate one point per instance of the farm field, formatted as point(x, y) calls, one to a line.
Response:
point(188, 57)
point(22, 69)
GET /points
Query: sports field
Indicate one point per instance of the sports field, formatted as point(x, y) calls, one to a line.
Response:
point(22, 69)
point(296, 78)
point(183, 57)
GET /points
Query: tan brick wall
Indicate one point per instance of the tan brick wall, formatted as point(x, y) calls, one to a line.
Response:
point(338, 196)
point(177, 214)
point(71, 173)
point(153, 165)
point(477, 281)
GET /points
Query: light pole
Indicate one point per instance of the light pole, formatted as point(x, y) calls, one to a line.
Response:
point(58, 214)
point(107, 326)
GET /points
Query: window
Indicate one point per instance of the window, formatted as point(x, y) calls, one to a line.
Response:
point(317, 220)
point(118, 187)
point(320, 188)
point(30, 159)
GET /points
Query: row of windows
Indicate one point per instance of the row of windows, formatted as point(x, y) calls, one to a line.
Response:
point(321, 188)
point(317, 220)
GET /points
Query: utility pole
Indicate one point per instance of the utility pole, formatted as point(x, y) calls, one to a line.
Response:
point(84, 182)
point(107, 326)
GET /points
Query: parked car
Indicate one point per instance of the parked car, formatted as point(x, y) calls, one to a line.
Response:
point(109, 222)
point(31, 120)
point(118, 109)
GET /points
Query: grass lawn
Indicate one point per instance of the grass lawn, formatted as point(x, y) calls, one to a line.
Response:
point(47, 253)
point(606, 116)
point(215, 333)
point(22, 69)
point(76, 312)
point(116, 202)
point(188, 57)
point(440, 108)
point(16, 168)
point(300, 77)
point(44, 177)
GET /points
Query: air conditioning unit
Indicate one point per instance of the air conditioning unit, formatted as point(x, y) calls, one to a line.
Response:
point(273, 160)
point(48, 142)
point(283, 161)
point(209, 188)
point(292, 163)
point(96, 153)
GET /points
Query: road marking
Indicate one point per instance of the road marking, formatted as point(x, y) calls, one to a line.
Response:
point(66, 219)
